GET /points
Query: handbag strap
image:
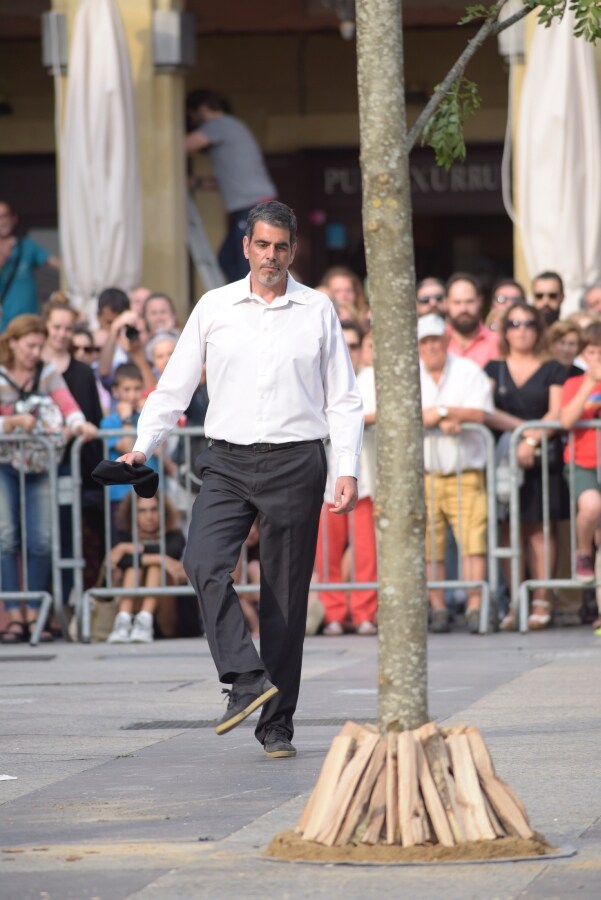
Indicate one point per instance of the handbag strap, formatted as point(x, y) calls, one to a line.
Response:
point(23, 394)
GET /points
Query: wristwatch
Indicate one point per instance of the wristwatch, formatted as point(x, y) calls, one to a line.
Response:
point(442, 411)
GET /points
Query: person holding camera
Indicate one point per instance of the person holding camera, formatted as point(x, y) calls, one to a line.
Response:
point(124, 340)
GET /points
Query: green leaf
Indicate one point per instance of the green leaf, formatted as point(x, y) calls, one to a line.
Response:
point(444, 132)
point(473, 12)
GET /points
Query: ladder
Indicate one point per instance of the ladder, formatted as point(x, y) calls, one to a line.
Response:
point(200, 249)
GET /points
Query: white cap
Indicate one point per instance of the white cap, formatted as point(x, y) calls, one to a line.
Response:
point(430, 325)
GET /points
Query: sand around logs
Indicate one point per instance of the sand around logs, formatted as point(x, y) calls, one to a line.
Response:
point(287, 845)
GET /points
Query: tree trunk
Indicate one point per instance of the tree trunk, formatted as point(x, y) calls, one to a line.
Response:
point(399, 509)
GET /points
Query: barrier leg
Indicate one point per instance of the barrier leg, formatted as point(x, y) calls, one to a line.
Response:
point(85, 621)
point(44, 612)
point(484, 608)
point(523, 608)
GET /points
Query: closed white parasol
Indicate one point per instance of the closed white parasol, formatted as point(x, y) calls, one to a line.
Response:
point(100, 195)
point(559, 160)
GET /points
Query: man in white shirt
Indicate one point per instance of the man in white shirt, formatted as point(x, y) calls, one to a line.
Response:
point(454, 391)
point(279, 380)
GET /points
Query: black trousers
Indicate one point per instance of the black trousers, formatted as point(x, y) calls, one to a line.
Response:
point(285, 487)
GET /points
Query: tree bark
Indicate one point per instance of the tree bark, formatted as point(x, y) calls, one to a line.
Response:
point(399, 508)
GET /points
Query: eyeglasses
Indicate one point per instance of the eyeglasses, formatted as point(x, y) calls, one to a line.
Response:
point(505, 298)
point(89, 349)
point(430, 298)
point(522, 323)
point(552, 295)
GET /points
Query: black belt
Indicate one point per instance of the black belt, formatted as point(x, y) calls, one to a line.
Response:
point(260, 448)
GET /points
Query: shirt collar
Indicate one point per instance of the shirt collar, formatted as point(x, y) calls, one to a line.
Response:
point(295, 292)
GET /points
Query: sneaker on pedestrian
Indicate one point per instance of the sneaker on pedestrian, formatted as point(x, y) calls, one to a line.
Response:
point(143, 629)
point(315, 615)
point(472, 617)
point(333, 629)
point(243, 699)
point(585, 568)
point(439, 623)
point(121, 629)
point(277, 743)
point(366, 628)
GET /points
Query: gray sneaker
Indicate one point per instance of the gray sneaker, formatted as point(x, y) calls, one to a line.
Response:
point(439, 623)
point(121, 629)
point(143, 630)
point(243, 699)
point(277, 743)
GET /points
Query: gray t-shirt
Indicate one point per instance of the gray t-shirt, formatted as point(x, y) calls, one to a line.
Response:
point(238, 164)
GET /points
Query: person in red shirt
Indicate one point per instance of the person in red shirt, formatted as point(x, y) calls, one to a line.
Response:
point(581, 400)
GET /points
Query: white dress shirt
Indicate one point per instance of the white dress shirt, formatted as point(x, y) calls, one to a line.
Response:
point(276, 372)
point(464, 384)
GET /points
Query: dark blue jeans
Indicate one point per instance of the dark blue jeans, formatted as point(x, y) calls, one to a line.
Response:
point(37, 532)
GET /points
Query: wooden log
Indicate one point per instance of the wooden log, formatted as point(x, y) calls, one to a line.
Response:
point(376, 814)
point(438, 760)
point(341, 751)
point(508, 808)
point(349, 729)
point(470, 802)
point(412, 814)
point(438, 817)
point(360, 803)
point(393, 832)
point(494, 819)
point(345, 789)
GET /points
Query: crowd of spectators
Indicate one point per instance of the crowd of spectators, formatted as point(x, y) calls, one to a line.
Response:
point(498, 361)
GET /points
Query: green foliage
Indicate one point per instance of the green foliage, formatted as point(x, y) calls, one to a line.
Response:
point(473, 12)
point(586, 12)
point(444, 132)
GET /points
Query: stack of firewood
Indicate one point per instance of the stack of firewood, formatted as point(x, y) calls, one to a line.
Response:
point(426, 786)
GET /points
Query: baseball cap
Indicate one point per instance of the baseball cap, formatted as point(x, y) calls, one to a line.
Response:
point(430, 326)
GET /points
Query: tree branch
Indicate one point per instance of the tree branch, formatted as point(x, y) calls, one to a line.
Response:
point(491, 27)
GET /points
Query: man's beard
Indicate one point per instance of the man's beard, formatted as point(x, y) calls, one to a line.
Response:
point(465, 323)
point(549, 315)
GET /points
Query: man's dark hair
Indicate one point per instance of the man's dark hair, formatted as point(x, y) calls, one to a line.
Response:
point(463, 276)
point(430, 279)
point(126, 370)
point(83, 329)
point(350, 325)
point(507, 282)
point(274, 213)
point(206, 97)
point(113, 298)
point(554, 275)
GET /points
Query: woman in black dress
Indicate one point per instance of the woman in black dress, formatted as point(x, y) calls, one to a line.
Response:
point(527, 386)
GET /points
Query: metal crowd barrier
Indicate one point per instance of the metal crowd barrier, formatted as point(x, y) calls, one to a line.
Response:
point(520, 589)
point(489, 587)
point(48, 601)
point(188, 486)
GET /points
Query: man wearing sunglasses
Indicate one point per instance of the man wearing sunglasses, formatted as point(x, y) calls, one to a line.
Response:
point(547, 296)
point(430, 297)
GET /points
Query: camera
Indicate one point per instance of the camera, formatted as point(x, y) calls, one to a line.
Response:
point(131, 333)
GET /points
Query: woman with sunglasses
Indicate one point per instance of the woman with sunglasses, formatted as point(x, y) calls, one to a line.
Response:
point(527, 386)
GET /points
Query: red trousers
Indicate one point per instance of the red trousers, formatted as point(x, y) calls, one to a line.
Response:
point(335, 534)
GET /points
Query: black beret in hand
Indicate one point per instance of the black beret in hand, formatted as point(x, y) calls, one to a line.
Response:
point(144, 479)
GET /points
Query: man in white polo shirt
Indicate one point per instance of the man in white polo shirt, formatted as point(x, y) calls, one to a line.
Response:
point(454, 391)
point(279, 379)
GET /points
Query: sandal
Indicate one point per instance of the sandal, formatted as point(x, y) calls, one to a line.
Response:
point(16, 633)
point(540, 620)
point(507, 623)
point(46, 637)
